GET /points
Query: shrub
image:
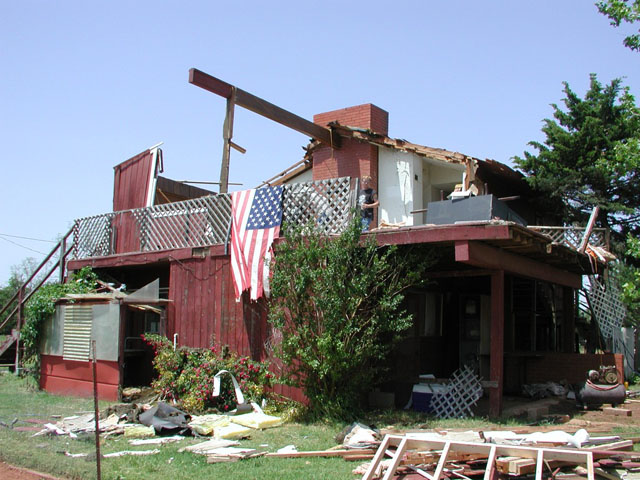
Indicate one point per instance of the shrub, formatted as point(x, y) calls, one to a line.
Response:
point(337, 301)
point(185, 375)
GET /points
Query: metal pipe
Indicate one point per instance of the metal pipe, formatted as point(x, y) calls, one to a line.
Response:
point(175, 341)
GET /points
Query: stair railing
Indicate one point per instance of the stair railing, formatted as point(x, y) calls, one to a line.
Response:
point(62, 249)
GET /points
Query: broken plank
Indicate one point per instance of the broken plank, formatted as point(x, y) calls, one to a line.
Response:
point(620, 412)
point(324, 453)
point(621, 445)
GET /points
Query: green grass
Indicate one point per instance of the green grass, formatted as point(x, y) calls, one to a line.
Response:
point(20, 400)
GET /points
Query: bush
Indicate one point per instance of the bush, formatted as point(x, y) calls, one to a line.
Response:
point(337, 302)
point(185, 375)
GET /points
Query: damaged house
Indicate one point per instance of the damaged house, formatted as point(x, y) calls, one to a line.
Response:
point(502, 297)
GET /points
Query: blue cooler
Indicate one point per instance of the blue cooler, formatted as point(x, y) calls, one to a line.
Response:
point(421, 397)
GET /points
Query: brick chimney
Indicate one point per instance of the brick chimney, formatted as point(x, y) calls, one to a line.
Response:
point(353, 158)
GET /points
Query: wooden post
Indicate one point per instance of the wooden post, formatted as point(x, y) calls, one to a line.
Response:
point(227, 134)
point(20, 314)
point(568, 320)
point(63, 248)
point(496, 361)
point(96, 409)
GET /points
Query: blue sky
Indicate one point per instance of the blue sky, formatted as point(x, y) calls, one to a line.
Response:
point(86, 85)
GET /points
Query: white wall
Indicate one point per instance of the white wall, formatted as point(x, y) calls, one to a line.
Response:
point(399, 186)
point(407, 182)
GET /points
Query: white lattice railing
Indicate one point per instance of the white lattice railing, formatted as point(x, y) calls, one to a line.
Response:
point(572, 236)
point(206, 220)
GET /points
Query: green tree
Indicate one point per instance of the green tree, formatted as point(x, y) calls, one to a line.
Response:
point(629, 278)
point(620, 11)
point(590, 157)
point(337, 303)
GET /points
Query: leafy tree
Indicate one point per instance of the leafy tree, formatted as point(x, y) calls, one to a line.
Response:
point(591, 156)
point(337, 302)
point(6, 293)
point(629, 278)
point(619, 11)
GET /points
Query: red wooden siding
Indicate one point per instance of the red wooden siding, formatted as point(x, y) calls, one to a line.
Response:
point(205, 312)
point(127, 233)
point(131, 182)
point(69, 377)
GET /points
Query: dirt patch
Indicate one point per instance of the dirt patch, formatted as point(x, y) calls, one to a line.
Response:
point(9, 472)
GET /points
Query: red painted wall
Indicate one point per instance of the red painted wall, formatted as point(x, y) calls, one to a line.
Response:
point(69, 377)
point(131, 182)
point(203, 311)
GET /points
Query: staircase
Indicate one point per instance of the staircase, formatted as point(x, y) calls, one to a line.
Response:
point(14, 309)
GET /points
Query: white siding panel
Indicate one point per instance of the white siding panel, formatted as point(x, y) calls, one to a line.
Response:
point(77, 332)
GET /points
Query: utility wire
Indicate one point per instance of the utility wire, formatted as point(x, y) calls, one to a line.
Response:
point(27, 238)
point(19, 245)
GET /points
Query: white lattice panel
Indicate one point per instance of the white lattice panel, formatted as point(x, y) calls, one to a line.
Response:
point(462, 393)
point(606, 304)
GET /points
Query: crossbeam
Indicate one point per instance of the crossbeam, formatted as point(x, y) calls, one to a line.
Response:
point(262, 107)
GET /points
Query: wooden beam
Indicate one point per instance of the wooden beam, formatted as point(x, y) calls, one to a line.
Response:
point(485, 256)
point(227, 135)
point(262, 107)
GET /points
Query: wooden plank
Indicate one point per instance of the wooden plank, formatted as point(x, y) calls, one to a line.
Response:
point(373, 466)
point(260, 106)
point(620, 412)
point(621, 445)
point(325, 453)
point(442, 461)
point(491, 464)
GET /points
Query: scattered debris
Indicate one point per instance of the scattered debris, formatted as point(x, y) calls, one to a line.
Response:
point(166, 419)
point(132, 452)
point(205, 447)
point(156, 441)
point(543, 390)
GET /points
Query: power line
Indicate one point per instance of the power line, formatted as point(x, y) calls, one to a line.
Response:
point(22, 246)
point(27, 238)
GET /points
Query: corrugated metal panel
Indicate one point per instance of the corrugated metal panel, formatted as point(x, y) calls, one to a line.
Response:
point(77, 332)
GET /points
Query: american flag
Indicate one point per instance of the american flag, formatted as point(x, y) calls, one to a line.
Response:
point(256, 216)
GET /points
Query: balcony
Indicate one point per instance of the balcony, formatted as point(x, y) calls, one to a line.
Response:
point(206, 221)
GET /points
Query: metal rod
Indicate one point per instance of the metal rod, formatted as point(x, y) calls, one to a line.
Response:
point(96, 409)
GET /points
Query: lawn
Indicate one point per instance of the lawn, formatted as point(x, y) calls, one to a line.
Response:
point(21, 402)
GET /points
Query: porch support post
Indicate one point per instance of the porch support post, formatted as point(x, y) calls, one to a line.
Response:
point(496, 360)
point(568, 319)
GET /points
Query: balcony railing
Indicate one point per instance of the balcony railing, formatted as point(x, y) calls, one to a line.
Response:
point(206, 221)
point(572, 236)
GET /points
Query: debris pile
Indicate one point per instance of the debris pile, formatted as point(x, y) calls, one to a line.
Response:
point(463, 455)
